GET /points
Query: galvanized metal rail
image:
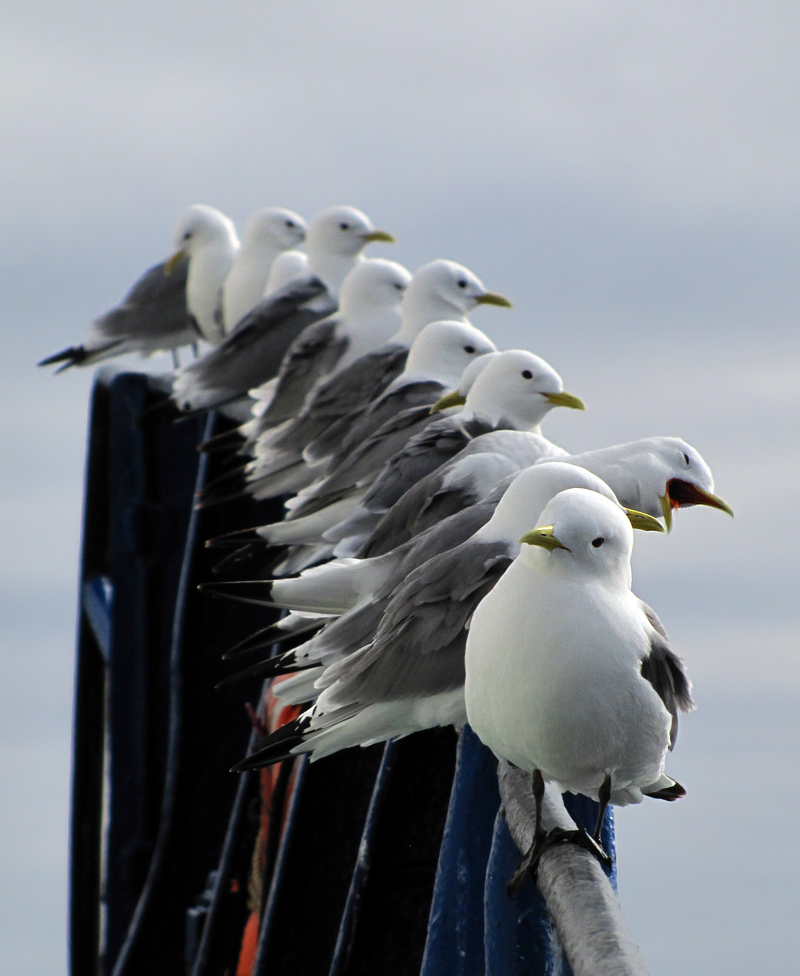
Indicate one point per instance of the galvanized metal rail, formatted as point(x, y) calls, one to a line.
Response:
point(585, 912)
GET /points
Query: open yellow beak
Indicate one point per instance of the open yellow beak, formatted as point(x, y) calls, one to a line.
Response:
point(173, 261)
point(564, 400)
point(492, 298)
point(379, 235)
point(681, 492)
point(454, 399)
point(543, 536)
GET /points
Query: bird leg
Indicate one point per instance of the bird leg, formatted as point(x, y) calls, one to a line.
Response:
point(542, 840)
point(175, 359)
point(195, 350)
point(603, 797)
point(538, 846)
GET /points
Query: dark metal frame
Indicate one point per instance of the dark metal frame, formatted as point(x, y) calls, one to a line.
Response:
point(392, 859)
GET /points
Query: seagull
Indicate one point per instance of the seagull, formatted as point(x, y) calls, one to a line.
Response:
point(208, 239)
point(430, 485)
point(566, 675)
point(424, 590)
point(668, 474)
point(152, 317)
point(174, 303)
point(438, 356)
point(439, 290)
point(640, 473)
point(634, 469)
point(515, 390)
point(403, 503)
point(287, 267)
point(267, 233)
point(251, 354)
point(411, 675)
point(369, 315)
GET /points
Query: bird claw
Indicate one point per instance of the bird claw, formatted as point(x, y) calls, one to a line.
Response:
point(583, 839)
point(527, 866)
point(542, 841)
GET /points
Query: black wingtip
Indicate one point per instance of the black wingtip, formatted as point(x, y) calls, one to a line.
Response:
point(74, 356)
point(243, 591)
point(163, 412)
point(275, 747)
point(669, 793)
point(267, 637)
point(235, 539)
point(227, 487)
point(240, 555)
point(262, 669)
point(272, 667)
point(228, 440)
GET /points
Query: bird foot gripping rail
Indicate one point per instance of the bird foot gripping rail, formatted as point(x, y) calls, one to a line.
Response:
point(390, 859)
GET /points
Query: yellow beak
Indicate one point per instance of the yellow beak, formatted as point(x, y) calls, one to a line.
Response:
point(666, 508)
point(681, 492)
point(639, 520)
point(379, 235)
point(492, 298)
point(564, 400)
point(173, 261)
point(454, 399)
point(543, 536)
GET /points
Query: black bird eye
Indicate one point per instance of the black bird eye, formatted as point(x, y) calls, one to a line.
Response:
point(187, 235)
point(598, 542)
point(398, 286)
point(290, 223)
point(462, 283)
point(469, 349)
point(686, 459)
point(344, 226)
point(527, 374)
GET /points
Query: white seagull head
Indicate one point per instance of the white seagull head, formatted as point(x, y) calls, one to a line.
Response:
point(519, 387)
point(342, 231)
point(443, 350)
point(198, 227)
point(584, 535)
point(656, 475)
point(444, 290)
point(374, 283)
point(274, 229)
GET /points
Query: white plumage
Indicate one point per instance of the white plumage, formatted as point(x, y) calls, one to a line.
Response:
point(565, 673)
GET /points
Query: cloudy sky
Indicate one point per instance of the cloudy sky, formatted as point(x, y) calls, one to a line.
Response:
point(626, 172)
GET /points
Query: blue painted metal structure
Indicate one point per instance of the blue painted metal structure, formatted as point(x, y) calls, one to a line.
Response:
point(393, 859)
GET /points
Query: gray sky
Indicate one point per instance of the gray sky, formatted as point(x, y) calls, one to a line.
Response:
point(626, 173)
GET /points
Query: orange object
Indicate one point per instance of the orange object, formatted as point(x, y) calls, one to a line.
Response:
point(247, 956)
point(272, 715)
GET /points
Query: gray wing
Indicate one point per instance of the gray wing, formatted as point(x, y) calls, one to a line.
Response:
point(664, 670)
point(312, 354)
point(653, 619)
point(344, 636)
point(452, 487)
point(439, 442)
point(152, 316)
point(351, 470)
point(154, 307)
point(446, 534)
point(384, 410)
point(418, 650)
point(344, 396)
point(253, 351)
